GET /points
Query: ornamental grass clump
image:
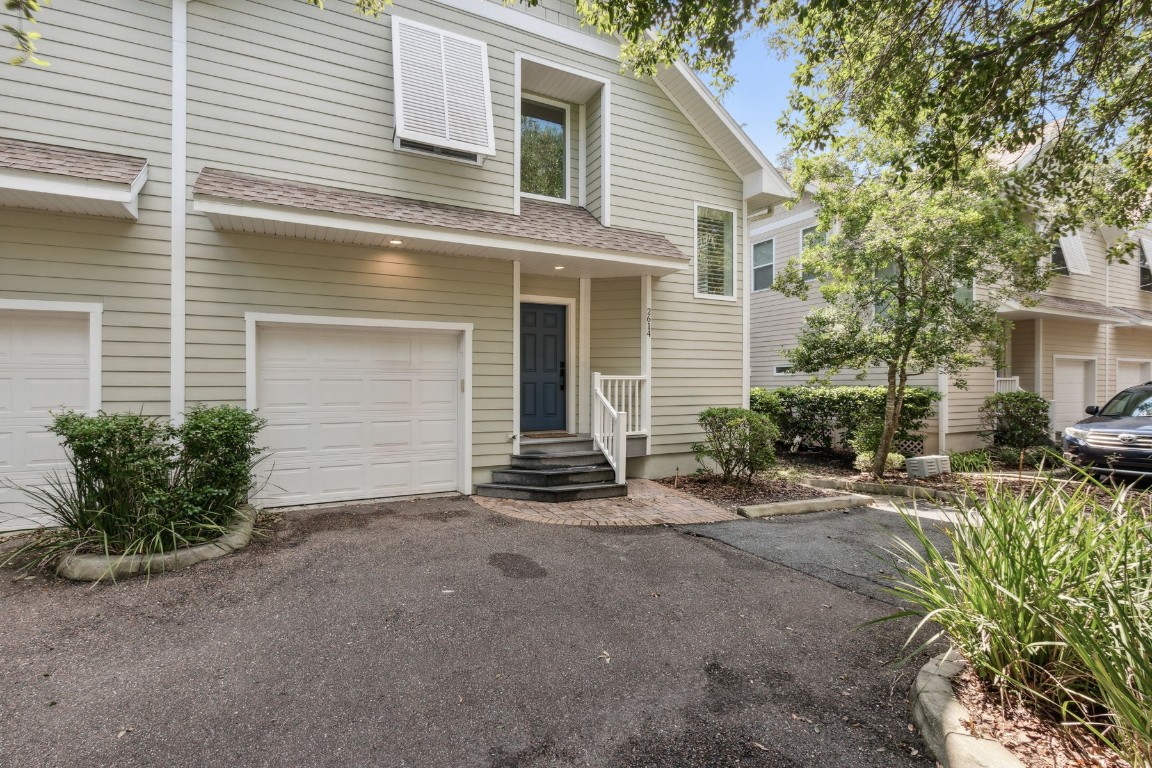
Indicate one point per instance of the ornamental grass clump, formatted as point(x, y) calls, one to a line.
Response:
point(1047, 594)
point(142, 486)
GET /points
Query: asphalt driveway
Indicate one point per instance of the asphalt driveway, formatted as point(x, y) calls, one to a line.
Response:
point(436, 633)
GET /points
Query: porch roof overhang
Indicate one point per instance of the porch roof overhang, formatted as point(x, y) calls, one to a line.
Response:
point(544, 237)
point(1142, 317)
point(1065, 309)
point(46, 177)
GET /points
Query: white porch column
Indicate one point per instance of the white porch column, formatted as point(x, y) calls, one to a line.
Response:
point(515, 357)
point(646, 355)
point(585, 354)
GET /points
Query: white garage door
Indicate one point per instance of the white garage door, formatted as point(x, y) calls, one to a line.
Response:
point(44, 367)
point(357, 413)
point(1074, 389)
point(1129, 373)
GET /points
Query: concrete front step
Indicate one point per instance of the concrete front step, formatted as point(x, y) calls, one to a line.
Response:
point(545, 445)
point(554, 493)
point(538, 478)
point(565, 460)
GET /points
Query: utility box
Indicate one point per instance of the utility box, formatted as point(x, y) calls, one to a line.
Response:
point(927, 466)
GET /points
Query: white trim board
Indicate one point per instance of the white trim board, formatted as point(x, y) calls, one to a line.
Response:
point(787, 221)
point(178, 196)
point(252, 320)
point(95, 314)
point(569, 350)
point(548, 102)
point(696, 206)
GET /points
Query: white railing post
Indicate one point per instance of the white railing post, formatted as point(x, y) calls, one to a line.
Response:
point(621, 446)
point(595, 405)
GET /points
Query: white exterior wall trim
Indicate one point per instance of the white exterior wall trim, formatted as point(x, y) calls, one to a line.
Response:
point(746, 310)
point(510, 17)
point(787, 221)
point(515, 357)
point(252, 320)
point(178, 187)
point(585, 355)
point(569, 344)
point(696, 253)
point(127, 195)
point(95, 314)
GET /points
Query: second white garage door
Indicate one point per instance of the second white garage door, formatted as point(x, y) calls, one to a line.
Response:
point(1073, 390)
point(357, 413)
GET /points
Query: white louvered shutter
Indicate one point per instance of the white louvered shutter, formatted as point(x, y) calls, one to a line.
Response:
point(442, 88)
point(1074, 255)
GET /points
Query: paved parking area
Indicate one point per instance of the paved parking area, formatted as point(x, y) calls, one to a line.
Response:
point(436, 633)
point(647, 503)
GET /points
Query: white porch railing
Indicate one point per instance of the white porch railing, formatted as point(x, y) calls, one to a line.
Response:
point(1007, 384)
point(627, 394)
point(609, 429)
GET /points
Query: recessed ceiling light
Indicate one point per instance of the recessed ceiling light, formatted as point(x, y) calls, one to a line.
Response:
point(558, 267)
point(396, 242)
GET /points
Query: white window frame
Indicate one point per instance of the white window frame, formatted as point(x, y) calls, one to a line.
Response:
point(800, 254)
point(696, 252)
point(568, 171)
point(752, 265)
point(398, 101)
point(777, 370)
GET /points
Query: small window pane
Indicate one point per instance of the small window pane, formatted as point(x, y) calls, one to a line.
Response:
point(808, 239)
point(763, 265)
point(1146, 264)
point(714, 250)
point(543, 150)
point(1059, 263)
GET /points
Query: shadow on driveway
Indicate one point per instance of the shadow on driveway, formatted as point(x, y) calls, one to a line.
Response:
point(435, 633)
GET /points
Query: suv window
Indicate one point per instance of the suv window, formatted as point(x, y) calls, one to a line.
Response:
point(1131, 402)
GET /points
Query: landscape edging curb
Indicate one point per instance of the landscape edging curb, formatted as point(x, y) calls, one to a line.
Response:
point(940, 717)
point(78, 567)
point(881, 489)
point(801, 506)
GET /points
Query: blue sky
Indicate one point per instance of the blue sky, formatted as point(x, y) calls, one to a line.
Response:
point(760, 95)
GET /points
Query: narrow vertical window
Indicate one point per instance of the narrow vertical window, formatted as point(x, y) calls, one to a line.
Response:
point(763, 265)
point(543, 150)
point(714, 252)
point(1059, 262)
point(1146, 263)
point(808, 239)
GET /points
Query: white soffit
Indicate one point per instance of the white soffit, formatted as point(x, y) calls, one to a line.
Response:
point(56, 193)
point(539, 78)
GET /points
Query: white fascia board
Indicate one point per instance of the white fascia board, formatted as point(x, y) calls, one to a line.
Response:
point(1015, 307)
point(400, 230)
point(511, 17)
point(56, 185)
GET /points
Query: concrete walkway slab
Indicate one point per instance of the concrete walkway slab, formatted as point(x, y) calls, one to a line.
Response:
point(647, 503)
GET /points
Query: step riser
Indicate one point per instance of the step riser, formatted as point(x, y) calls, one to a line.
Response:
point(545, 461)
point(555, 446)
point(538, 479)
point(549, 495)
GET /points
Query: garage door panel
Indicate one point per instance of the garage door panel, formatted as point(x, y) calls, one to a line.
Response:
point(378, 405)
point(44, 368)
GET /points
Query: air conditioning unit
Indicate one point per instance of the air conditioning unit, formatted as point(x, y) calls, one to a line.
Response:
point(927, 466)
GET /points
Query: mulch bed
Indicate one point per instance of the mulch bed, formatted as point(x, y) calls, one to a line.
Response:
point(763, 489)
point(1037, 741)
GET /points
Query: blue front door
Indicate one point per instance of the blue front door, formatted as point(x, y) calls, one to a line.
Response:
point(543, 402)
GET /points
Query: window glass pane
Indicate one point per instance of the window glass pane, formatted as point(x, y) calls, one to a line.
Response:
point(762, 277)
point(714, 249)
point(763, 253)
point(1145, 265)
point(808, 239)
point(543, 150)
point(763, 265)
point(1059, 263)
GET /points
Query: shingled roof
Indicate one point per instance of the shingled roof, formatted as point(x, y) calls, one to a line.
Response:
point(540, 221)
point(1062, 304)
point(68, 161)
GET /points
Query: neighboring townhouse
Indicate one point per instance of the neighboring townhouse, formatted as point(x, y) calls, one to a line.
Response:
point(1086, 337)
point(420, 245)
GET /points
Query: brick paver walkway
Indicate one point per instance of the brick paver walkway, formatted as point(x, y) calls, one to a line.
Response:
point(647, 503)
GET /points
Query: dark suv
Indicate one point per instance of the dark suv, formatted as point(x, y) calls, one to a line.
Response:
point(1118, 437)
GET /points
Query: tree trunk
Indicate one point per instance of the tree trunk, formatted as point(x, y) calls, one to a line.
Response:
point(893, 405)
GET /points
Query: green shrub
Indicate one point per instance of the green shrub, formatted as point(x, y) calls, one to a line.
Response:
point(893, 463)
point(978, 460)
point(819, 414)
point(1017, 420)
point(1047, 593)
point(138, 485)
point(741, 442)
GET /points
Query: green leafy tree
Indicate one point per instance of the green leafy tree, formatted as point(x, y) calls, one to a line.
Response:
point(896, 262)
point(542, 158)
point(949, 80)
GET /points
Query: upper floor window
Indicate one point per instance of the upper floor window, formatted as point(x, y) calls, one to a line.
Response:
point(1146, 263)
point(443, 99)
point(809, 238)
point(1072, 256)
point(544, 150)
point(715, 246)
point(1059, 263)
point(763, 265)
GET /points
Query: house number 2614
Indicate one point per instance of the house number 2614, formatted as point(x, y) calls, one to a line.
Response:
point(648, 319)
